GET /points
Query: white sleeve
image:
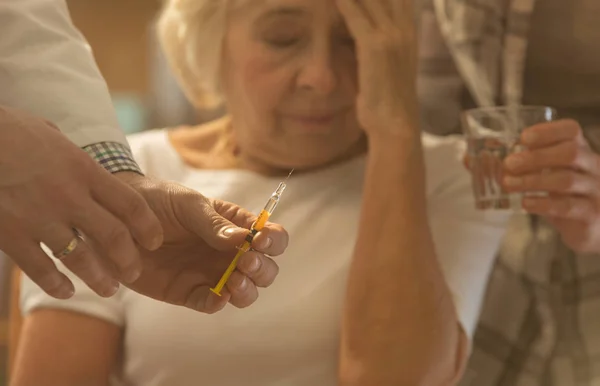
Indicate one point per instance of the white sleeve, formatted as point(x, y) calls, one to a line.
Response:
point(47, 69)
point(84, 301)
point(466, 240)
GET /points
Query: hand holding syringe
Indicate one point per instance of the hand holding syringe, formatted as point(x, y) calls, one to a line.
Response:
point(259, 224)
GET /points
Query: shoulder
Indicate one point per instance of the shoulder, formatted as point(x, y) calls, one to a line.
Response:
point(147, 143)
point(155, 154)
point(207, 146)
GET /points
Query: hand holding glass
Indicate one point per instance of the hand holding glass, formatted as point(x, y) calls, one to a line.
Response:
point(493, 133)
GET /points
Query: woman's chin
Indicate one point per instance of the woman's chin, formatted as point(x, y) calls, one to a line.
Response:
point(311, 162)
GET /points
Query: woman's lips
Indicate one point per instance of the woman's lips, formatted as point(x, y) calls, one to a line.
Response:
point(312, 122)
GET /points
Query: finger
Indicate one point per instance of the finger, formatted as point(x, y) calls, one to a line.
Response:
point(578, 235)
point(259, 268)
point(203, 300)
point(562, 181)
point(81, 260)
point(561, 207)
point(40, 268)
point(123, 202)
point(355, 17)
point(111, 240)
point(563, 155)
point(243, 290)
point(230, 224)
point(551, 133)
point(272, 240)
point(210, 220)
point(377, 12)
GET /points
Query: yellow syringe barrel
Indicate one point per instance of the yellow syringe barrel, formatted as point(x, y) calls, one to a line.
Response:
point(259, 224)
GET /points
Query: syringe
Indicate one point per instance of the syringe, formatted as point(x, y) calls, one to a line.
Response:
point(260, 222)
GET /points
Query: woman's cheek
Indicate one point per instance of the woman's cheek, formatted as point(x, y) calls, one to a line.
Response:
point(268, 74)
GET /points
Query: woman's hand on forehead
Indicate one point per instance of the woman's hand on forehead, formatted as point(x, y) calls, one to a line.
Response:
point(386, 49)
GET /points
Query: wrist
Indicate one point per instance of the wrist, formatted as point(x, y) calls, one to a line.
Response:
point(398, 165)
point(400, 150)
point(384, 127)
point(130, 178)
point(394, 130)
point(114, 157)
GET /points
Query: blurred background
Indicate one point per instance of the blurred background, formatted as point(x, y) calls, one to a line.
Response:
point(144, 92)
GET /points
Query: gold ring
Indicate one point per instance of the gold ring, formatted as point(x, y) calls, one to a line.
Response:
point(70, 247)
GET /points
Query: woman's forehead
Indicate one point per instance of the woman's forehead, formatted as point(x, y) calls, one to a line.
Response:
point(289, 8)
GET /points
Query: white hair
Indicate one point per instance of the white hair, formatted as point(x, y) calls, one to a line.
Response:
point(191, 34)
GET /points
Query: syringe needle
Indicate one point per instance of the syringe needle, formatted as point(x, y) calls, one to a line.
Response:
point(289, 175)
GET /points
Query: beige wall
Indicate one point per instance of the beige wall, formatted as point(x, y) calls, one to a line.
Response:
point(118, 31)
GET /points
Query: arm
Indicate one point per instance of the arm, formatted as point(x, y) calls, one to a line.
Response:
point(64, 348)
point(413, 294)
point(47, 69)
point(400, 324)
point(48, 185)
point(72, 342)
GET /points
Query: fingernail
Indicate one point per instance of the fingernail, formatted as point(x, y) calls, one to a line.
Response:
point(114, 287)
point(513, 182)
point(253, 268)
point(229, 232)
point(65, 291)
point(54, 281)
point(266, 243)
point(209, 303)
point(69, 292)
point(132, 275)
point(513, 162)
point(243, 285)
point(156, 242)
point(58, 286)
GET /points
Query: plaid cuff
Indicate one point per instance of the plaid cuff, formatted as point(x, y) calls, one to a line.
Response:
point(113, 156)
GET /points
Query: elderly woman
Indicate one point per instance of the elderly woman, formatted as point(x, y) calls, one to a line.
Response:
point(539, 324)
point(382, 282)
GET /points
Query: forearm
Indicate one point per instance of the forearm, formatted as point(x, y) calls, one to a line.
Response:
point(399, 323)
point(88, 354)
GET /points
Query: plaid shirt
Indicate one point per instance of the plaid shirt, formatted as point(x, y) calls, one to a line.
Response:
point(540, 321)
point(113, 156)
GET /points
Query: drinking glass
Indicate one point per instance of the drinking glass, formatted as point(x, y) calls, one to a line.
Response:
point(493, 133)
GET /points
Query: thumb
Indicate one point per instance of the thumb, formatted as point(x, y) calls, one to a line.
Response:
point(217, 231)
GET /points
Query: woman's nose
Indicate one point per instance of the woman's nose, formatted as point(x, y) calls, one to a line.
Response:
point(317, 73)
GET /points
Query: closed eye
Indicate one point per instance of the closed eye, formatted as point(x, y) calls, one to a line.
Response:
point(282, 43)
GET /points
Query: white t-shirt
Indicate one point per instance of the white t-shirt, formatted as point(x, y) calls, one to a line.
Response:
point(290, 336)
